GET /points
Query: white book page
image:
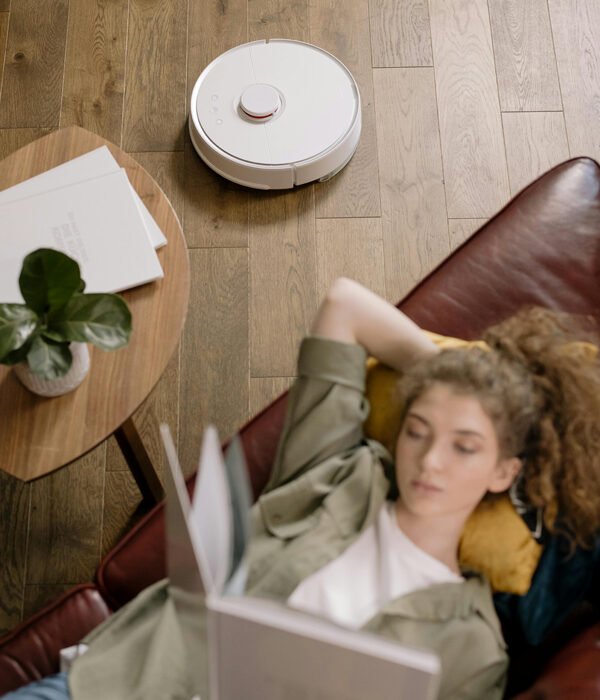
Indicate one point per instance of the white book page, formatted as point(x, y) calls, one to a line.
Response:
point(86, 167)
point(279, 653)
point(211, 509)
point(96, 222)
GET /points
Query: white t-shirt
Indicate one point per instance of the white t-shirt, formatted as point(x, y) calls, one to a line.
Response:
point(381, 565)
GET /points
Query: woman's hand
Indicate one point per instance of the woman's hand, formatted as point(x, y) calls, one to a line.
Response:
point(352, 313)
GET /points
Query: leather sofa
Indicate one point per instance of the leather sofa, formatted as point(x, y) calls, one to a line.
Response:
point(542, 248)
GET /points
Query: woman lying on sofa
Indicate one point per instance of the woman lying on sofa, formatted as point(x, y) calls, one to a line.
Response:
point(342, 532)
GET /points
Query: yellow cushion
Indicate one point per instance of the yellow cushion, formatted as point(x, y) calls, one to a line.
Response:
point(496, 541)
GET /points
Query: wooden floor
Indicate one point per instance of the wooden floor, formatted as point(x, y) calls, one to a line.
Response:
point(464, 102)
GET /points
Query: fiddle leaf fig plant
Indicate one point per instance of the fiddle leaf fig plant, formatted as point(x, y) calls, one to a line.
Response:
point(56, 313)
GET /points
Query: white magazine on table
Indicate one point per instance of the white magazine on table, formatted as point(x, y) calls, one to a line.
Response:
point(85, 167)
point(96, 222)
point(261, 649)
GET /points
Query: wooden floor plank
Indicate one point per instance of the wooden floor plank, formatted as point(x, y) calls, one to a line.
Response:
point(342, 28)
point(38, 596)
point(4, 19)
point(212, 29)
point(167, 168)
point(470, 126)
point(415, 228)
point(524, 53)
point(155, 93)
point(13, 139)
point(14, 531)
point(215, 210)
point(34, 62)
point(576, 30)
point(66, 522)
point(400, 33)
point(264, 390)
point(94, 81)
point(214, 374)
point(350, 248)
point(535, 142)
point(162, 406)
point(461, 229)
point(122, 507)
point(4, 5)
point(282, 278)
point(278, 19)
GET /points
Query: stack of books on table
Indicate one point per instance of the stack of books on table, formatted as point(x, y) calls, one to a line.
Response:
point(87, 209)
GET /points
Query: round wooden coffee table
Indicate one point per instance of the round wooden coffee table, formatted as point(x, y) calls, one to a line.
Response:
point(39, 435)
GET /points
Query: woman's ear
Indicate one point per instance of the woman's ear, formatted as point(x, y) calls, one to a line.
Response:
point(505, 473)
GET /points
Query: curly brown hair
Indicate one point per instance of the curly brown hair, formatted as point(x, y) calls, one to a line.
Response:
point(542, 393)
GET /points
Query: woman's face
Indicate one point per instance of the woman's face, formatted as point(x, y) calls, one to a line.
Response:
point(447, 454)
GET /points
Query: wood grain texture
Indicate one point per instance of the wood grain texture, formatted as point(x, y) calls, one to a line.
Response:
point(278, 19)
point(4, 18)
point(282, 278)
point(461, 229)
point(264, 390)
point(161, 406)
point(350, 248)
point(122, 507)
point(66, 522)
point(94, 81)
point(216, 211)
point(475, 173)
point(576, 30)
point(524, 53)
point(400, 33)
point(35, 442)
point(214, 375)
point(14, 532)
point(413, 211)
point(535, 142)
point(34, 63)
point(155, 94)
point(342, 28)
point(38, 596)
point(4, 5)
point(167, 170)
point(13, 139)
point(213, 27)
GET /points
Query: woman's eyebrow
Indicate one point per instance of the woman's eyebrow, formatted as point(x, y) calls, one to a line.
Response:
point(459, 432)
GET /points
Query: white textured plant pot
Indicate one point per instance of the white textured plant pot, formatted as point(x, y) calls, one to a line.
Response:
point(63, 385)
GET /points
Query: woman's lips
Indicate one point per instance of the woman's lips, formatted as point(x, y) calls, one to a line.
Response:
point(424, 487)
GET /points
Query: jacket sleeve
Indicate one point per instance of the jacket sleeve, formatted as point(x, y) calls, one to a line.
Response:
point(326, 408)
point(487, 683)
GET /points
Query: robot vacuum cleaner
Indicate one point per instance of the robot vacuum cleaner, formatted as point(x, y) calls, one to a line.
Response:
point(275, 114)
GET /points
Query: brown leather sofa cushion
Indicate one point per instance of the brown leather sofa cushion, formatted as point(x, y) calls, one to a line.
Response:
point(31, 650)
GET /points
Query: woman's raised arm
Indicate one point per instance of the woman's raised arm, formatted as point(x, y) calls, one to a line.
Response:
point(352, 313)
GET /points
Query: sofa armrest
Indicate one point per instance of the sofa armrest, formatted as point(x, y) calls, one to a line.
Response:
point(31, 650)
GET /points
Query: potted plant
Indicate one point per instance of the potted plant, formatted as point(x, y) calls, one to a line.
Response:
point(45, 337)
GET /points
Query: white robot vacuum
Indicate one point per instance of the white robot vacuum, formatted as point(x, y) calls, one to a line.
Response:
point(275, 114)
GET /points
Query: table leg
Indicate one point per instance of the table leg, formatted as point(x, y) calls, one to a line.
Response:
point(139, 462)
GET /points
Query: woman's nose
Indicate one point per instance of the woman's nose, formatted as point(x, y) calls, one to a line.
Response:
point(432, 458)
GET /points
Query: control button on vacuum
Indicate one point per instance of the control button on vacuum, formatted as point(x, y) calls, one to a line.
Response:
point(260, 101)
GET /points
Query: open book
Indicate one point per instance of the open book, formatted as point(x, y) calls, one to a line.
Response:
point(261, 649)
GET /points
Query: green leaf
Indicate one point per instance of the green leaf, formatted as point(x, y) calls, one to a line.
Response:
point(16, 356)
point(101, 319)
point(48, 280)
point(17, 323)
point(49, 361)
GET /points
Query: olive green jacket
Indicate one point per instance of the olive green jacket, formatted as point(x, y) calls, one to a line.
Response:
point(327, 485)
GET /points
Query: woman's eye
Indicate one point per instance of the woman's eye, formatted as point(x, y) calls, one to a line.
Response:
point(414, 434)
point(465, 450)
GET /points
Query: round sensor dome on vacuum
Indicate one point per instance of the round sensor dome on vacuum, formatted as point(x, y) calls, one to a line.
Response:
point(275, 114)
